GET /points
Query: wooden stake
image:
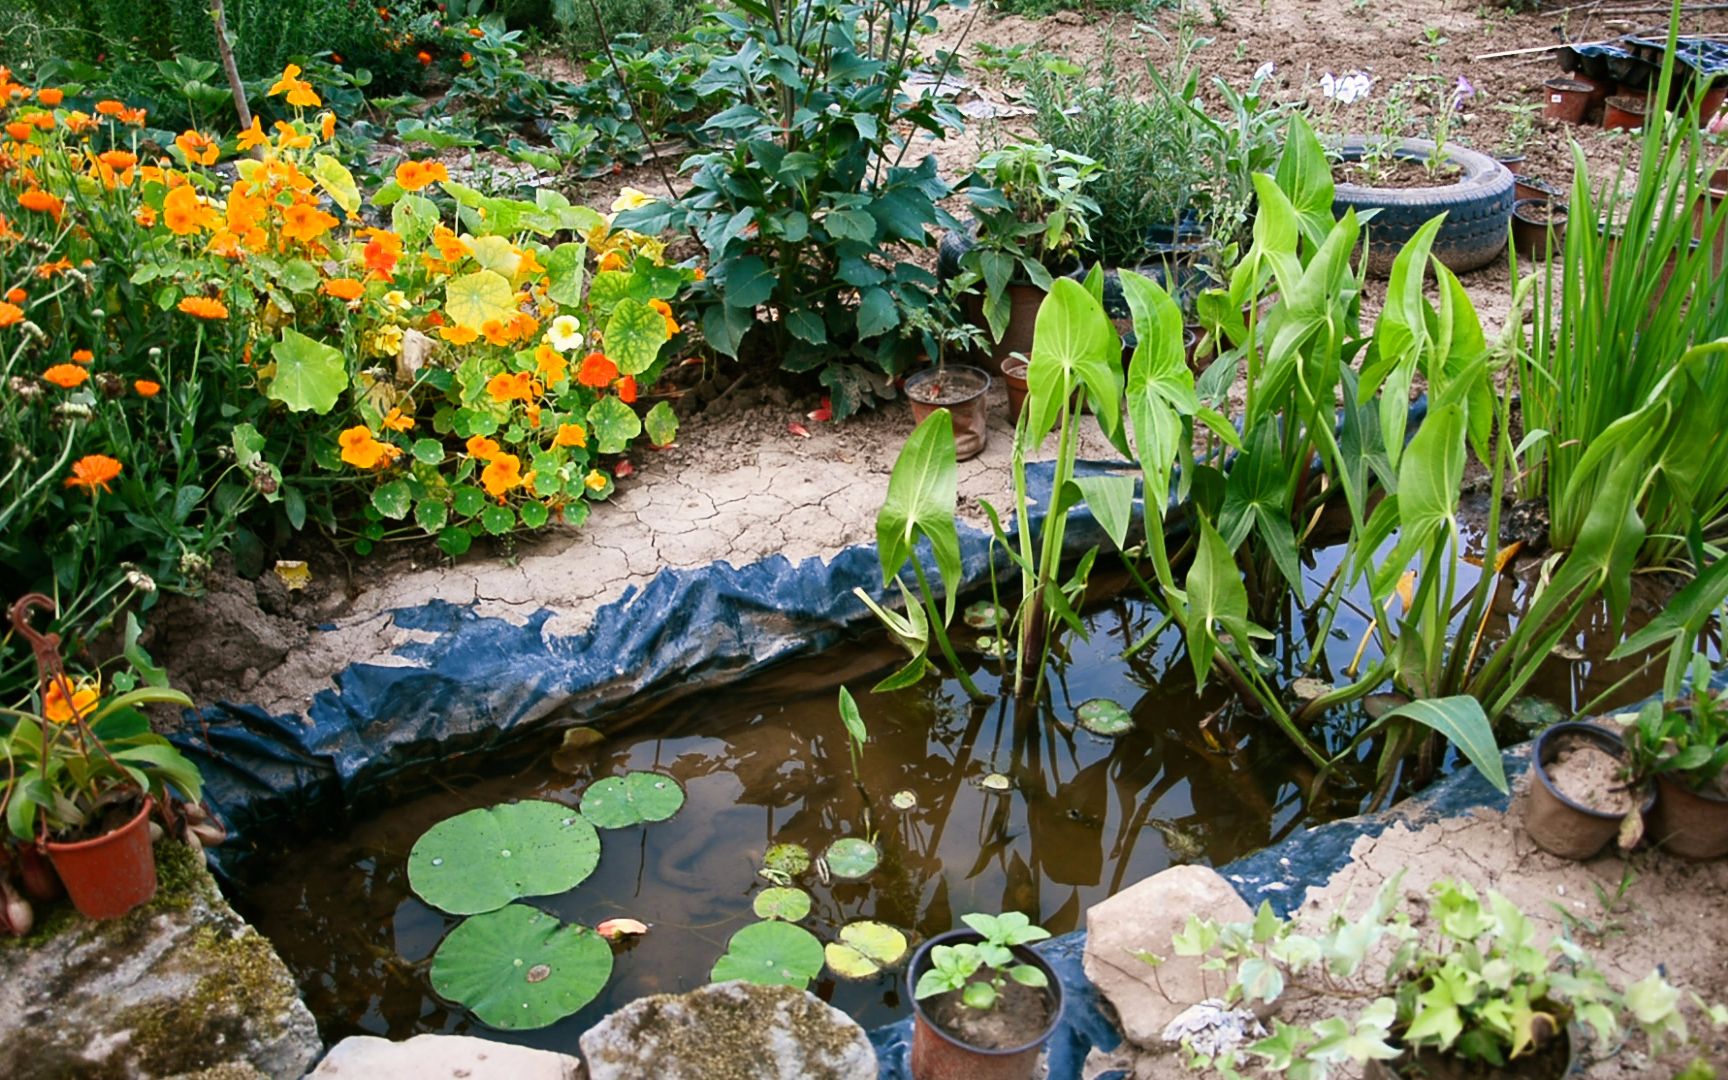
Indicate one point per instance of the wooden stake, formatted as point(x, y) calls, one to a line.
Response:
point(220, 18)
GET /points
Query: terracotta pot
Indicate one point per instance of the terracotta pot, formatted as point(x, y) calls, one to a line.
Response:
point(967, 393)
point(1687, 823)
point(1567, 100)
point(1023, 304)
point(1624, 112)
point(1559, 825)
point(1712, 103)
point(1530, 187)
point(938, 1055)
point(1704, 210)
point(112, 874)
point(1719, 179)
point(1537, 227)
point(1014, 375)
point(1600, 90)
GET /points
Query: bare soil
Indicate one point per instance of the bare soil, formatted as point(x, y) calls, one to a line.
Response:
point(1590, 776)
point(1398, 176)
point(1019, 1016)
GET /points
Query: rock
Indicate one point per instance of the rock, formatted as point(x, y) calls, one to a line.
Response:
point(180, 986)
point(442, 1057)
point(1145, 918)
point(729, 1031)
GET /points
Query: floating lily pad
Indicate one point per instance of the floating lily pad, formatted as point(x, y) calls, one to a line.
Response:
point(985, 616)
point(996, 648)
point(771, 953)
point(864, 949)
point(851, 857)
point(781, 903)
point(1101, 716)
point(904, 800)
point(519, 968)
point(996, 782)
point(783, 862)
point(1308, 689)
point(483, 859)
point(619, 802)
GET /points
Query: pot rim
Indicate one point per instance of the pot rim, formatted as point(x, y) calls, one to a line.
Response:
point(1608, 740)
point(95, 841)
point(1568, 85)
point(963, 935)
point(918, 378)
point(1555, 206)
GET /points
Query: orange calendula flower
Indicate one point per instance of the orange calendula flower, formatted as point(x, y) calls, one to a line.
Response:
point(83, 356)
point(110, 107)
point(361, 448)
point(59, 710)
point(199, 148)
point(459, 335)
point(10, 314)
point(424, 57)
point(414, 175)
point(396, 421)
point(549, 365)
point(481, 448)
point(304, 221)
point(511, 386)
point(627, 389)
point(146, 388)
point(16, 295)
point(50, 96)
point(134, 117)
point(299, 91)
point(66, 375)
point(203, 307)
point(597, 371)
point(92, 472)
point(501, 474)
point(571, 435)
point(118, 160)
point(20, 130)
point(41, 202)
point(344, 288)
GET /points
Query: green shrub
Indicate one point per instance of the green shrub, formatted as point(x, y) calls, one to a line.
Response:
point(657, 22)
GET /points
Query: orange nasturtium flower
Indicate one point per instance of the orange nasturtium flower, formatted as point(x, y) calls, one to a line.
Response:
point(361, 449)
point(414, 175)
point(501, 474)
point(185, 213)
point(93, 471)
point(58, 710)
point(481, 448)
point(66, 375)
point(511, 386)
point(549, 365)
point(203, 307)
point(40, 201)
point(397, 421)
point(459, 335)
point(199, 148)
point(83, 356)
point(253, 136)
point(612, 260)
point(597, 371)
point(304, 221)
point(344, 288)
point(10, 314)
point(146, 388)
point(424, 57)
point(571, 435)
point(665, 311)
point(50, 96)
point(595, 480)
point(327, 125)
point(383, 249)
point(299, 91)
point(627, 389)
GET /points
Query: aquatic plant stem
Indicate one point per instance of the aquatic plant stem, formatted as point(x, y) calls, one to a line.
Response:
point(940, 629)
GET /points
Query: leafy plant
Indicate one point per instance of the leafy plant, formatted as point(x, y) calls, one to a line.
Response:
point(979, 971)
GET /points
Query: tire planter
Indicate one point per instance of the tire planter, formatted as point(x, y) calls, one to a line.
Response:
point(112, 874)
point(968, 391)
point(1687, 823)
point(937, 1055)
point(1478, 207)
point(1559, 825)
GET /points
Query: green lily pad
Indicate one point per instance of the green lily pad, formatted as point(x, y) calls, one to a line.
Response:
point(781, 902)
point(783, 862)
point(984, 615)
point(1101, 716)
point(483, 859)
point(771, 953)
point(619, 802)
point(996, 648)
point(996, 782)
point(851, 858)
point(519, 968)
point(864, 949)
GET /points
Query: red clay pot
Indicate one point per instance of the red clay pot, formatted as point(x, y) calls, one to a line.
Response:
point(967, 395)
point(1624, 112)
point(1567, 100)
point(1023, 304)
point(112, 874)
point(1014, 375)
point(937, 1055)
point(1688, 823)
point(1712, 103)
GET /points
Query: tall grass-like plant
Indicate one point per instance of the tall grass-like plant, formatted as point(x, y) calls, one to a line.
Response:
point(1628, 368)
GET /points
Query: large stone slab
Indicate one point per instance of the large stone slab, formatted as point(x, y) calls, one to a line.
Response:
point(1143, 919)
point(181, 986)
point(729, 1031)
point(442, 1057)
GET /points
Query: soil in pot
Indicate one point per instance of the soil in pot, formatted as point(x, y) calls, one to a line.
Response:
point(1020, 1015)
point(1690, 824)
point(965, 393)
point(1590, 776)
point(1566, 100)
point(1577, 796)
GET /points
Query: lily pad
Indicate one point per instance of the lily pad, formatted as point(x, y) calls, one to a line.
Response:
point(781, 902)
point(1309, 689)
point(984, 615)
point(851, 857)
point(619, 802)
point(1101, 716)
point(519, 968)
point(771, 953)
point(996, 782)
point(864, 949)
point(904, 800)
point(996, 648)
point(783, 862)
point(483, 859)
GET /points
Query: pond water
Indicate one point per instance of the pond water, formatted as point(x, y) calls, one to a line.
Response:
point(766, 761)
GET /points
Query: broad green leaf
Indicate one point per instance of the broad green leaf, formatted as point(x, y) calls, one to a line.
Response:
point(613, 425)
point(1464, 724)
point(414, 217)
point(310, 375)
point(852, 718)
point(337, 182)
point(497, 254)
point(564, 272)
point(1305, 176)
point(1074, 345)
point(1687, 614)
point(921, 501)
point(519, 968)
point(661, 424)
point(475, 299)
point(483, 859)
point(634, 335)
point(1110, 498)
point(851, 857)
point(772, 953)
point(1216, 598)
point(618, 802)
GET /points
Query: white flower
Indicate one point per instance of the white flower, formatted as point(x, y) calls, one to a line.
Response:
point(1265, 71)
point(1346, 89)
point(565, 333)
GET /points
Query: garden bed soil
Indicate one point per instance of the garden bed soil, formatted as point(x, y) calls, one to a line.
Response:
point(1590, 776)
point(1399, 175)
point(1020, 1015)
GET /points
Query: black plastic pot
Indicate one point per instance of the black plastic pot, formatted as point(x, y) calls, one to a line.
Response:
point(1531, 187)
point(1559, 825)
point(938, 1055)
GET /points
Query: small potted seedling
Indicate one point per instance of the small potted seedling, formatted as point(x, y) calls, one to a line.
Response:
point(960, 388)
point(984, 1003)
point(1683, 746)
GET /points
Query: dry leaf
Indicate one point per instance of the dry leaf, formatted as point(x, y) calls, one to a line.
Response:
point(294, 573)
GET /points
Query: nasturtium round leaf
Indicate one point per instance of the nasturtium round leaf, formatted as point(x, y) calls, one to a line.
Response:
point(393, 499)
point(984, 615)
point(851, 857)
point(613, 424)
point(661, 423)
point(564, 274)
point(310, 375)
point(634, 335)
point(534, 514)
point(1101, 716)
point(785, 861)
point(519, 968)
point(483, 859)
point(781, 902)
point(864, 949)
point(473, 300)
point(619, 802)
point(498, 520)
point(771, 953)
point(428, 451)
point(496, 253)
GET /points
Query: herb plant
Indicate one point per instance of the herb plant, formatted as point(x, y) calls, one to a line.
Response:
point(980, 970)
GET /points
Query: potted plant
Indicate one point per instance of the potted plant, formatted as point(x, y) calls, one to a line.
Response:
point(1466, 990)
point(1031, 214)
point(1534, 225)
point(1683, 747)
point(984, 1003)
point(1581, 791)
point(80, 776)
point(960, 388)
